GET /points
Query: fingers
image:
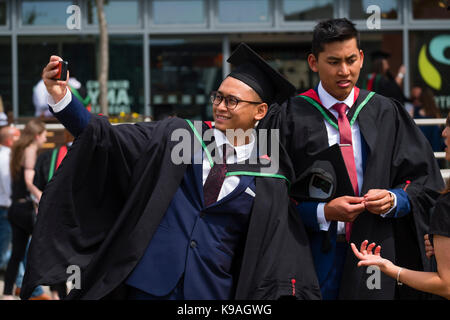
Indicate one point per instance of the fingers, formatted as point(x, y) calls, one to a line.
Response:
point(378, 209)
point(376, 194)
point(370, 247)
point(363, 247)
point(365, 254)
point(50, 70)
point(355, 251)
point(377, 250)
point(353, 200)
point(55, 58)
point(378, 205)
point(355, 208)
point(426, 237)
point(56, 88)
point(354, 205)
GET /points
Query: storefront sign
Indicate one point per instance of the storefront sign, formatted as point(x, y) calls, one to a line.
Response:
point(118, 98)
point(434, 67)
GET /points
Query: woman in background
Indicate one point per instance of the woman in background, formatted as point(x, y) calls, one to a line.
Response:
point(25, 197)
point(427, 109)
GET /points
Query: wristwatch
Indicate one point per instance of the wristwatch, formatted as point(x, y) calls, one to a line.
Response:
point(392, 203)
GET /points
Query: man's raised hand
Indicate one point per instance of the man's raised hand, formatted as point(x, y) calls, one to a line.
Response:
point(57, 89)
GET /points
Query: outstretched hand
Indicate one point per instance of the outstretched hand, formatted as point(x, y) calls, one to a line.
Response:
point(367, 258)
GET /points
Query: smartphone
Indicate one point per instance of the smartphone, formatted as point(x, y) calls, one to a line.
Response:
point(62, 71)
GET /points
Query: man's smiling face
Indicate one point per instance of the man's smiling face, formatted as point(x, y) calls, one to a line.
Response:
point(245, 115)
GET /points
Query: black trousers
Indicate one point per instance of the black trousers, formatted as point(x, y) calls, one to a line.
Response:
point(21, 216)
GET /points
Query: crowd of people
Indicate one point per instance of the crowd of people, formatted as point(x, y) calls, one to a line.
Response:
point(350, 182)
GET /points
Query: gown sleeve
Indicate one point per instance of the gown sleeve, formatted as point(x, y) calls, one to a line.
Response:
point(83, 202)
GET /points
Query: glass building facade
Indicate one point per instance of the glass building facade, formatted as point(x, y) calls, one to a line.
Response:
point(166, 56)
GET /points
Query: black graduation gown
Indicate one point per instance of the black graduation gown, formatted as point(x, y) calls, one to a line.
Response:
point(42, 169)
point(397, 152)
point(108, 196)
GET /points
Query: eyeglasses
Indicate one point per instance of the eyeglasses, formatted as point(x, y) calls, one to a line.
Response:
point(230, 101)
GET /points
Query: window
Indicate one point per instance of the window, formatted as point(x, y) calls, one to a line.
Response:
point(389, 42)
point(295, 10)
point(125, 87)
point(3, 13)
point(5, 74)
point(117, 12)
point(44, 13)
point(178, 12)
point(126, 75)
point(289, 57)
point(430, 9)
point(33, 55)
point(184, 71)
point(243, 11)
point(358, 9)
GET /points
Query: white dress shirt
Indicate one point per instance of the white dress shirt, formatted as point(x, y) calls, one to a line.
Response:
point(328, 101)
point(242, 153)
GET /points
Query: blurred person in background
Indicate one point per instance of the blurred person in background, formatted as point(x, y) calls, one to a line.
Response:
point(24, 195)
point(382, 81)
point(416, 91)
point(46, 165)
point(40, 97)
point(8, 135)
point(425, 108)
point(432, 282)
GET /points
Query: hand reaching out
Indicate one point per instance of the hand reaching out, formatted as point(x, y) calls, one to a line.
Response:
point(367, 258)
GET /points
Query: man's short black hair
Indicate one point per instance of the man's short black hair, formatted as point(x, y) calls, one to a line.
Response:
point(331, 31)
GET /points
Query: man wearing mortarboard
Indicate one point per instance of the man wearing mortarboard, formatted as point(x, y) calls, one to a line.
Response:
point(140, 225)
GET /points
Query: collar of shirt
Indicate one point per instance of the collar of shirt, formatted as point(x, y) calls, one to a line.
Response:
point(328, 100)
point(243, 152)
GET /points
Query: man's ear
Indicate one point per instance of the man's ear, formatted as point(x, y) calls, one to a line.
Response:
point(261, 111)
point(361, 54)
point(312, 61)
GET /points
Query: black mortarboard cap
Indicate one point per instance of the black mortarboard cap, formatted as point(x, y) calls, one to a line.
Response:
point(251, 69)
point(379, 55)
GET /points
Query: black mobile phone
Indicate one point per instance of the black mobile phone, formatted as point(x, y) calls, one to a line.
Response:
point(62, 71)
